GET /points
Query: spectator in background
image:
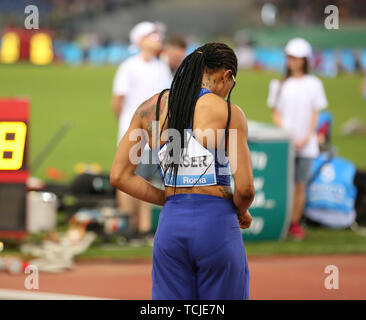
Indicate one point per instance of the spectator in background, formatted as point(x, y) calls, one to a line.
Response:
point(295, 102)
point(174, 52)
point(138, 78)
point(246, 56)
point(363, 85)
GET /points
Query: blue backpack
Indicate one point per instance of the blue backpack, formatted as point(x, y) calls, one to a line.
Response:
point(331, 193)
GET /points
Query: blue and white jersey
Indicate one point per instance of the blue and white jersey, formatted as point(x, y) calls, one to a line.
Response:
point(196, 165)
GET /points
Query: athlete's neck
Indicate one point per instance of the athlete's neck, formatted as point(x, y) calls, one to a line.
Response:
point(209, 81)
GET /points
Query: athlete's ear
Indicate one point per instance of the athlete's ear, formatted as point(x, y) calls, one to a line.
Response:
point(228, 74)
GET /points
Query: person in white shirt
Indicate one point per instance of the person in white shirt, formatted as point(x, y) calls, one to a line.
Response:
point(137, 79)
point(295, 102)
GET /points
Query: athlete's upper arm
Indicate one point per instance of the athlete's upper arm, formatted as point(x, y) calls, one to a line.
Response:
point(238, 152)
point(127, 156)
point(133, 142)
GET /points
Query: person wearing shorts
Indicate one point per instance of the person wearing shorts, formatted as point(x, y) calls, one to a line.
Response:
point(295, 102)
point(200, 140)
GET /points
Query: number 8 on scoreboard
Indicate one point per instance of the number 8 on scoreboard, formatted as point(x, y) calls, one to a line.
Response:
point(12, 143)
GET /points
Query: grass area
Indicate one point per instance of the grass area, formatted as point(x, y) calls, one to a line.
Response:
point(116, 252)
point(82, 96)
point(319, 241)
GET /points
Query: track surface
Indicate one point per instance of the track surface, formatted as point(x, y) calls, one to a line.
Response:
point(274, 277)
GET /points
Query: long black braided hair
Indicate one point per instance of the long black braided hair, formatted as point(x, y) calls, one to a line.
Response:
point(184, 93)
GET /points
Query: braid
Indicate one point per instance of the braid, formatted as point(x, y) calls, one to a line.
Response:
point(184, 93)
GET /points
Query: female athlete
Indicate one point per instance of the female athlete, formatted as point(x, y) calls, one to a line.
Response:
point(198, 248)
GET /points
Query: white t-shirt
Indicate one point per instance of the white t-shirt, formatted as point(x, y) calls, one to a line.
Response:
point(296, 99)
point(137, 80)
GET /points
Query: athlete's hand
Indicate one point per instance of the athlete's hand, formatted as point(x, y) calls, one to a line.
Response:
point(245, 219)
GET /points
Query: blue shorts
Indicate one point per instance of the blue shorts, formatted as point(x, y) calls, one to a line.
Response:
point(199, 251)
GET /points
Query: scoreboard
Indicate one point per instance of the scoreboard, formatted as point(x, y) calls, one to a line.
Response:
point(14, 169)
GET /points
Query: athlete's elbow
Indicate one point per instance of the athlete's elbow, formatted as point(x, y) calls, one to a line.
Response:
point(247, 194)
point(114, 179)
point(120, 179)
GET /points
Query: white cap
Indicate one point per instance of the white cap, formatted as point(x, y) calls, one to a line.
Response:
point(299, 48)
point(143, 29)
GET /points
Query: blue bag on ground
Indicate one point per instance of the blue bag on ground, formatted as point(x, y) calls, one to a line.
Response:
point(331, 194)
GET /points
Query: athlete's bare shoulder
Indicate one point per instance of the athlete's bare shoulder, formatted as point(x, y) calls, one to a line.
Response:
point(238, 119)
point(237, 111)
point(215, 108)
point(147, 110)
point(211, 111)
point(213, 99)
